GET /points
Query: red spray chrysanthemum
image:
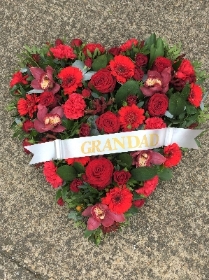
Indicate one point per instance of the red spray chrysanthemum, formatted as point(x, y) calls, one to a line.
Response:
point(29, 105)
point(119, 200)
point(91, 47)
point(50, 174)
point(131, 117)
point(195, 96)
point(128, 44)
point(71, 79)
point(122, 67)
point(63, 51)
point(18, 78)
point(173, 155)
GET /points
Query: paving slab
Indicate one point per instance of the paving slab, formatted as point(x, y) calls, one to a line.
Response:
point(168, 239)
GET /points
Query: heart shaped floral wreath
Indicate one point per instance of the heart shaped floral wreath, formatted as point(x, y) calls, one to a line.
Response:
point(75, 90)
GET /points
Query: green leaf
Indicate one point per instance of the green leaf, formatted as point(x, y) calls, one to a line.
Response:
point(165, 174)
point(67, 173)
point(176, 104)
point(88, 233)
point(100, 62)
point(73, 215)
point(126, 159)
point(151, 40)
point(67, 123)
point(58, 194)
point(78, 167)
point(144, 173)
point(191, 110)
point(129, 88)
point(185, 92)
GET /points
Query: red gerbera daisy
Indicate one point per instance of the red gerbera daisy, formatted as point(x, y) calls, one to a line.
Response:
point(71, 79)
point(18, 78)
point(131, 117)
point(81, 160)
point(119, 200)
point(122, 68)
point(28, 105)
point(173, 155)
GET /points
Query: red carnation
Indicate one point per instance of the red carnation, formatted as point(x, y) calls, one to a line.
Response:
point(63, 52)
point(195, 96)
point(18, 78)
point(50, 174)
point(47, 98)
point(131, 117)
point(27, 126)
point(71, 79)
point(141, 60)
point(74, 185)
point(119, 200)
point(138, 74)
point(154, 123)
point(103, 81)
point(148, 186)
point(173, 155)
point(82, 160)
point(108, 123)
point(91, 47)
point(161, 63)
point(186, 72)
point(84, 130)
point(74, 106)
point(121, 177)
point(99, 172)
point(29, 105)
point(158, 104)
point(122, 68)
point(129, 44)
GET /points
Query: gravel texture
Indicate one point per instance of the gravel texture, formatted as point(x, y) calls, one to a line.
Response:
point(168, 239)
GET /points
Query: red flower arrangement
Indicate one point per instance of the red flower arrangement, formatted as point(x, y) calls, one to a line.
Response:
point(78, 90)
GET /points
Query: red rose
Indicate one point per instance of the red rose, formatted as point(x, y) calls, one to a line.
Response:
point(84, 130)
point(154, 123)
point(141, 60)
point(138, 203)
point(60, 202)
point(195, 96)
point(186, 72)
point(86, 92)
point(74, 106)
point(138, 74)
point(27, 125)
point(121, 177)
point(74, 186)
point(103, 81)
point(91, 47)
point(158, 104)
point(88, 62)
point(47, 98)
point(161, 63)
point(99, 172)
point(114, 51)
point(149, 186)
point(108, 122)
point(76, 42)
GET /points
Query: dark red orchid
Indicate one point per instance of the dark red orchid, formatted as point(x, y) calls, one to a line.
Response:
point(99, 214)
point(147, 158)
point(49, 121)
point(156, 82)
point(44, 79)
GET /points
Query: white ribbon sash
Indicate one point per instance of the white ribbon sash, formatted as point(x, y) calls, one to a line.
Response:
point(113, 143)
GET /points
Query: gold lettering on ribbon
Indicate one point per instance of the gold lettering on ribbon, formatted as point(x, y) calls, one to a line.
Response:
point(107, 145)
point(83, 150)
point(144, 141)
point(117, 141)
point(154, 139)
point(130, 142)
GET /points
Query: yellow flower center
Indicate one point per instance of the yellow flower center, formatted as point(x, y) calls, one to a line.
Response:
point(151, 82)
point(45, 82)
point(143, 159)
point(100, 214)
point(52, 120)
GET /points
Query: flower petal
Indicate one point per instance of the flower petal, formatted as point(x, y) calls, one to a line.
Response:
point(87, 211)
point(57, 110)
point(108, 221)
point(42, 111)
point(117, 217)
point(59, 128)
point(157, 158)
point(36, 72)
point(92, 224)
